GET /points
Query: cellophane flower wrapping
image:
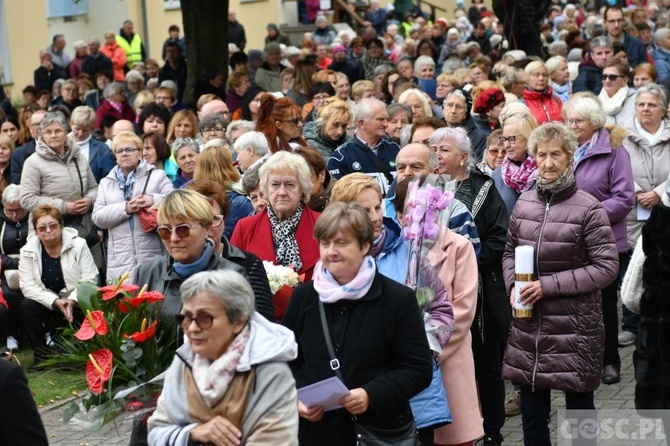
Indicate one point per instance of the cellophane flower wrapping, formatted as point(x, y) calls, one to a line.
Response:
point(122, 345)
point(428, 203)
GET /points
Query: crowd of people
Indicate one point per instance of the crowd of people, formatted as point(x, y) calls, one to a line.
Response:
point(546, 120)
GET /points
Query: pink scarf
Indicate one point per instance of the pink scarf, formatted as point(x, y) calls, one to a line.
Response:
point(520, 178)
point(330, 291)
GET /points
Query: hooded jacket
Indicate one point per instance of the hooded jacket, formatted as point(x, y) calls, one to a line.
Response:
point(589, 78)
point(118, 57)
point(48, 178)
point(128, 245)
point(76, 261)
point(605, 172)
point(544, 105)
point(651, 167)
point(271, 412)
point(313, 134)
point(561, 346)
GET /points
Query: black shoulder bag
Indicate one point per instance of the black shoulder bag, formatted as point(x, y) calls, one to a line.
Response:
point(366, 435)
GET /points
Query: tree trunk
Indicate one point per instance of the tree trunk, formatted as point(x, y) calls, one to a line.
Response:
point(206, 32)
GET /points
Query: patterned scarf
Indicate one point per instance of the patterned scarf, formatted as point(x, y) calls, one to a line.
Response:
point(560, 183)
point(378, 244)
point(283, 236)
point(330, 291)
point(520, 178)
point(584, 149)
point(126, 183)
point(213, 378)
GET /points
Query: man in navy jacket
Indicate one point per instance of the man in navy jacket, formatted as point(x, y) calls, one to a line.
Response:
point(369, 152)
point(614, 23)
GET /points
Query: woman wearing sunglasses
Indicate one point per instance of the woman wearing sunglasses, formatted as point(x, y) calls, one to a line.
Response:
point(518, 171)
point(281, 123)
point(51, 265)
point(133, 186)
point(617, 99)
point(494, 154)
point(230, 384)
point(184, 225)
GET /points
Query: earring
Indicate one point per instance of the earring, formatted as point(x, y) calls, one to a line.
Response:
point(461, 164)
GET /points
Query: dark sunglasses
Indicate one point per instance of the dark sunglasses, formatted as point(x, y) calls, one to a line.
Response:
point(295, 120)
point(182, 231)
point(610, 77)
point(202, 320)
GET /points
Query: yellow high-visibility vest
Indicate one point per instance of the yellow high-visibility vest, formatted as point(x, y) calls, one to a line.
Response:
point(133, 50)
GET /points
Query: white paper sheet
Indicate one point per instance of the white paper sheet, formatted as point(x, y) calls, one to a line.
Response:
point(642, 213)
point(324, 393)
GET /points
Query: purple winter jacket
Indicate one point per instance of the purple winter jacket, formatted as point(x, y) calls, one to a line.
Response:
point(561, 346)
point(606, 173)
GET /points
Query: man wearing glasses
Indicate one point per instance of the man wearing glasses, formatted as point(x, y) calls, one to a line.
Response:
point(21, 154)
point(614, 24)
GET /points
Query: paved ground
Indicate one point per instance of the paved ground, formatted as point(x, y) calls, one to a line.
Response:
point(617, 396)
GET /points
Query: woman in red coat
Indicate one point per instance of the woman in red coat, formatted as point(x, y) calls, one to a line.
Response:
point(114, 104)
point(539, 96)
point(282, 234)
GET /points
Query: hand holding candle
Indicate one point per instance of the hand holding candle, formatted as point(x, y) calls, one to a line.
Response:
point(523, 271)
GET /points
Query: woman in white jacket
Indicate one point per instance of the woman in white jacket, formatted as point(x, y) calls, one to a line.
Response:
point(130, 187)
point(52, 262)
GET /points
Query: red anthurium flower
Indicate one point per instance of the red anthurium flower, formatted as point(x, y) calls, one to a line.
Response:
point(99, 369)
point(145, 333)
point(111, 291)
point(94, 323)
point(149, 296)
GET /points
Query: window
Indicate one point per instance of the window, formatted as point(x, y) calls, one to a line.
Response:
point(60, 8)
point(172, 4)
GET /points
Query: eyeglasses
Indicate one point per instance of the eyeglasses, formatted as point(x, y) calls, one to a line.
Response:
point(214, 130)
point(454, 105)
point(13, 211)
point(536, 74)
point(610, 77)
point(50, 227)
point(128, 150)
point(295, 120)
point(495, 152)
point(576, 121)
point(217, 220)
point(202, 320)
point(182, 231)
point(509, 139)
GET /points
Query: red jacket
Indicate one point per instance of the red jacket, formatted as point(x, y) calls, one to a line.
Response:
point(254, 234)
point(544, 105)
point(107, 109)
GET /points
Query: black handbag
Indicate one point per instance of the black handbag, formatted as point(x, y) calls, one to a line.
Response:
point(367, 435)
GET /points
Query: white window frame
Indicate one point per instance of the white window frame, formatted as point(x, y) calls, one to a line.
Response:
point(172, 4)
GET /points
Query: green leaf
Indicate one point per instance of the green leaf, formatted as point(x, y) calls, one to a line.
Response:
point(86, 296)
point(70, 411)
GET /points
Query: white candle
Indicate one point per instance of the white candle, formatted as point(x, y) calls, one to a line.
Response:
point(524, 257)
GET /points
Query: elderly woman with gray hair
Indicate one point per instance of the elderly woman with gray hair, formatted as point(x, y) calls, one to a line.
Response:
point(560, 346)
point(662, 53)
point(230, 383)
point(603, 169)
point(82, 122)
point(539, 96)
point(59, 175)
point(135, 84)
point(185, 151)
point(457, 106)
point(648, 143)
point(282, 234)
point(559, 74)
point(489, 331)
point(114, 104)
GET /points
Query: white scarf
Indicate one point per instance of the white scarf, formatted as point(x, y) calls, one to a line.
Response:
point(213, 378)
point(613, 105)
point(330, 291)
point(651, 137)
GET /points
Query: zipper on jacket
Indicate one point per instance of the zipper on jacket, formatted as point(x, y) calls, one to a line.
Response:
point(539, 315)
point(481, 312)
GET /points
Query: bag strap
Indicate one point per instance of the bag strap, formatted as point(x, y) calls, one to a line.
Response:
point(379, 164)
point(81, 181)
point(144, 189)
point(334, 362)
